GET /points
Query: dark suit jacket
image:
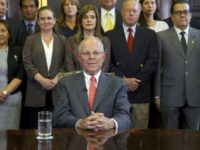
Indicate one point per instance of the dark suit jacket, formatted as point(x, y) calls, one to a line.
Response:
point(22, 32)
point(15, 67)
point(71, 60)
point(141, 63)
point(71, 102)
point(12, 24)
point(117, 22)
point(35, 62)
point(178, 75)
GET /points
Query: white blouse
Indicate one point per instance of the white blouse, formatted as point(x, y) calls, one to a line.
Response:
point(160, 26)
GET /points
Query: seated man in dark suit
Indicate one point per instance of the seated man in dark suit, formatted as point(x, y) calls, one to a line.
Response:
point(91, 99)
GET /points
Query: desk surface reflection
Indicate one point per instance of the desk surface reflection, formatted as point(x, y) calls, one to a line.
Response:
point(134, 139)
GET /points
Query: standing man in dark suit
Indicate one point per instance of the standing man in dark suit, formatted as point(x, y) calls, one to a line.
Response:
point(178, 75)
point(136, 63)
point(11, 22)
point(194, 22)
point(110, 16)
point(28, 25)
point(76, 106)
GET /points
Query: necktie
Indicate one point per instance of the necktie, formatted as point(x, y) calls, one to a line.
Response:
point(183, 41)
point(109, 24)
point(91, 147)
point(92, 91)
point(29, 29)
point(130, 40)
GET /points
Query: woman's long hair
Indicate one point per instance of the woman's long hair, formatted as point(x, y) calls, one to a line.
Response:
point(84, 10)
point(61, 20)
point(142, 21)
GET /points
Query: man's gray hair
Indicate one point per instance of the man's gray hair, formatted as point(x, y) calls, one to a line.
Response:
point(98, 40)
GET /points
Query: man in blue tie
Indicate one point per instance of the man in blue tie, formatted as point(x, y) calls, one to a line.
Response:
point(28, 25)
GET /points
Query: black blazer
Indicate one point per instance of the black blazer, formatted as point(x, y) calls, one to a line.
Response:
point(22, 33)
point(141, 63)
point(15, 67)
point(13, 26)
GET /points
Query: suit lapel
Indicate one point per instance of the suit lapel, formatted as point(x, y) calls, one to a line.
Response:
point(136, 43)
point(54, 53)
point(101, 90)
point(82, 92)
point(191, 43)
point(176, 42)
point(40, 47)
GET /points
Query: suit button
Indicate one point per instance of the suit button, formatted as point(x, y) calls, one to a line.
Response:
point(186, 62)
point(117, 63)
point(186, 73)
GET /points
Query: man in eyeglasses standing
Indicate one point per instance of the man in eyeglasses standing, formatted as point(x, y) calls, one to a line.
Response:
point(178, 75)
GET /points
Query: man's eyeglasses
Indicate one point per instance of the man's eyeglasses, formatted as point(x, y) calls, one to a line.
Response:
point(179, 12)
point(87, 54)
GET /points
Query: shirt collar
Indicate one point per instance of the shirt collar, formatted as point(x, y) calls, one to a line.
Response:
point(4, 17)
point(87, 76)
point(125, 27)
point(104, 12)
point(178, 31)
point(32, 22)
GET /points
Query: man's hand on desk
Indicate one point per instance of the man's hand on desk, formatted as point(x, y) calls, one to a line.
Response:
point(97, 139)
point(96, 122)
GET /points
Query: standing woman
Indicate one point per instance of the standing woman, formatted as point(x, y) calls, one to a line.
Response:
point(149, 16)
point(43, 57)
point(88, 25)
point(11, 76)
point(67, 24)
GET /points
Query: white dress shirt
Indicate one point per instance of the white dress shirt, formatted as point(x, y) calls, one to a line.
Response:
point(48, 50)
point(178, 31)
point(126, 31)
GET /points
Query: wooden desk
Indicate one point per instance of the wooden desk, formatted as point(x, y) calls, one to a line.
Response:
point(65, 139)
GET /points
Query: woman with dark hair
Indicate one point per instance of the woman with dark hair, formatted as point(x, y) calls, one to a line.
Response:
point(88, 25)
point(149, 16)
point(43, 57)
point(67, 23)
point(11, 76)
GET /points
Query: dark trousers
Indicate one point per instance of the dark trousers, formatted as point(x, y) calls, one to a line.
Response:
point(30, 114)
point(185, 117)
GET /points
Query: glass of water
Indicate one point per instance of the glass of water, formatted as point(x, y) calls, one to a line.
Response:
point(44, 125)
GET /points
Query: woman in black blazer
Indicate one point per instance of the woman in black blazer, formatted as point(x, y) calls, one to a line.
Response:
point(11, 76)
